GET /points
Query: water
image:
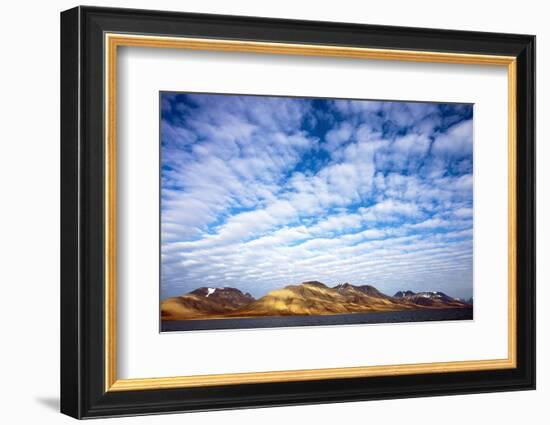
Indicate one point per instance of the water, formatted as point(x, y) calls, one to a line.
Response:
point(333, 319)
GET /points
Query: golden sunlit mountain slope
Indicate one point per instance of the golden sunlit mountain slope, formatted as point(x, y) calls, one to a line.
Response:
point(307, 298)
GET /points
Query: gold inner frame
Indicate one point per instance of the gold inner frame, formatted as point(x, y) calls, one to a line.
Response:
point(113, 41)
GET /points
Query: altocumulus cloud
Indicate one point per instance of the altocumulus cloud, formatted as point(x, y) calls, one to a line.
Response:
point(258, 192)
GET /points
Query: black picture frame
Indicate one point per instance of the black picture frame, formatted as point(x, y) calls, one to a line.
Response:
point(83, 392)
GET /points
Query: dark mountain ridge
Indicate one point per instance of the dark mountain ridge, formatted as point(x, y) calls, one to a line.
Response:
point(430, 299)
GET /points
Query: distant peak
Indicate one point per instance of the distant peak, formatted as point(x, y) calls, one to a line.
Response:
point(343, 285)
point(206, 291)
point(315, 283)
point(203, 290)
point(401, 294)
point(368, 288)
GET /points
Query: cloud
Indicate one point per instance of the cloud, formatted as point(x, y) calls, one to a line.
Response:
point(259, 192)
point(338, 136)
point(456, 141)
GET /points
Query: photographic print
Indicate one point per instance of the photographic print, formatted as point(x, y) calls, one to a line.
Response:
point(297, 211)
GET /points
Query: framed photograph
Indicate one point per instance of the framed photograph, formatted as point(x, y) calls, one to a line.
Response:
point(295, 189)
point(261, 212)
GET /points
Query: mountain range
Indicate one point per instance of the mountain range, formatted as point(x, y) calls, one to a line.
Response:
point(307, 298)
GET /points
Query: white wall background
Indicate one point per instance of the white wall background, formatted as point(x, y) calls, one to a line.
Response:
point(29, 212)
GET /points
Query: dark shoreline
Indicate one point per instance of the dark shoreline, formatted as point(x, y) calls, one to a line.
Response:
point(403, 316)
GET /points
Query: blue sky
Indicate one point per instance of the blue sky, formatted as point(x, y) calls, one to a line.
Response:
point(259, 192)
